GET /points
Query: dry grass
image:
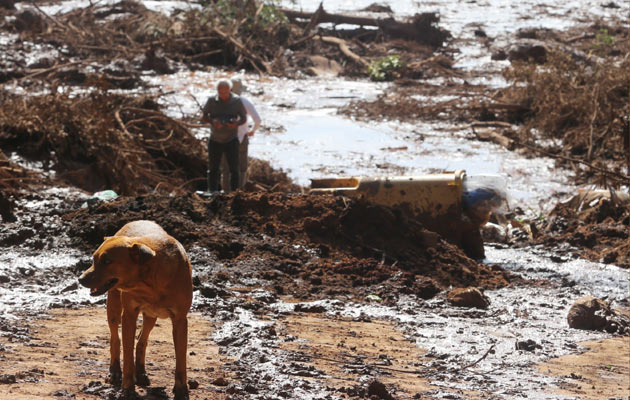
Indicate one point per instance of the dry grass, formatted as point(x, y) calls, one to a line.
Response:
point(582, 103)
point(103, 141)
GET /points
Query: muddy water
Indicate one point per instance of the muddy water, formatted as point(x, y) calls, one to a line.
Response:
point(455, 338)
point(303, 135)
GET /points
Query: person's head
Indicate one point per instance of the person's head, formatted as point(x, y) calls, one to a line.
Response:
point(237, 85)
point(223, 89)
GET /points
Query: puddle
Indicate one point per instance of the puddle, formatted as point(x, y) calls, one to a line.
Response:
point(39, 281)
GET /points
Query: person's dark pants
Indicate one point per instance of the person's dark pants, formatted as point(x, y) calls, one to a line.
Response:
point(242, 166)
point(215, 152)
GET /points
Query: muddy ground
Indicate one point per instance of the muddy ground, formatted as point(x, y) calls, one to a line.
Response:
point(275, 268)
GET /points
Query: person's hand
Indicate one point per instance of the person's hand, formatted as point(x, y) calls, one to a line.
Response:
point(250, 133)
point(231, 125)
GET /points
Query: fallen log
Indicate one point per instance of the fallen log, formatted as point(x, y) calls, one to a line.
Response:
point(321, 16)
point(343, 46)
point(419, 29)
point(494, 136)
point(491, 124)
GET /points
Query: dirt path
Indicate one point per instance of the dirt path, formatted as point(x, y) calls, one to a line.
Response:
point(68, 356)
point(601, 372)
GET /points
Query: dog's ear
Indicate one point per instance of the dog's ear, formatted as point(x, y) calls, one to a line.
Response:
point(141, 253)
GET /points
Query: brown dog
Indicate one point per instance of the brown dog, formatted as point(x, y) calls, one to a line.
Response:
point(142, 269)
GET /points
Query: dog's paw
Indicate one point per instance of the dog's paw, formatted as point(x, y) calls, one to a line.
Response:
point(142, 379)
point(181, 393)
point(115, 375)
point(128, 394)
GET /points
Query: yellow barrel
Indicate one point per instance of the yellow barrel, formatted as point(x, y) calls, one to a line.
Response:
point(425, 196)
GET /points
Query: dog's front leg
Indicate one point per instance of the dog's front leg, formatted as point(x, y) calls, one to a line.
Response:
point(114, 310)
point(141, 350)
point(129, 317)
point(180, 340)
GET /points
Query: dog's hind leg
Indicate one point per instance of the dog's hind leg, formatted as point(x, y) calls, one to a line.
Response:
point(180, 340)
point(141, 350)
point(114, 312)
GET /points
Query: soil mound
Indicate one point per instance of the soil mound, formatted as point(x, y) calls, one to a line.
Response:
point(594, 223)
point(299, 244)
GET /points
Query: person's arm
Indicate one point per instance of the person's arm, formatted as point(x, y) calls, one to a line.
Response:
point(251, 110)
point(206, 114)
point(242, 113)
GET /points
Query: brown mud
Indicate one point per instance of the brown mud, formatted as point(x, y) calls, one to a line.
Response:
point(271, 241)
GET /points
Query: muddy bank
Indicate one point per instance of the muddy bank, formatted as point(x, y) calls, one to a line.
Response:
point(308, 247)
point(302, 245)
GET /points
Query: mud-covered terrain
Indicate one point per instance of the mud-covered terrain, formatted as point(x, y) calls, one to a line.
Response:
point(302, 296)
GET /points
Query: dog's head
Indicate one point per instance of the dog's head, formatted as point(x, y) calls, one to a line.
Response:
point(117, 263)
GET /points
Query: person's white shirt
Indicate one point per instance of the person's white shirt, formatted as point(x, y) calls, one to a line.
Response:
point(253, 120)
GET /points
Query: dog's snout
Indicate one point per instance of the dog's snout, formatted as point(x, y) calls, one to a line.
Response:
point(85, 278)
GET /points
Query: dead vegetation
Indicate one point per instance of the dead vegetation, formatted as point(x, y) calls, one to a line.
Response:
point(102, 141)
point(579, 106)
point(242, 34)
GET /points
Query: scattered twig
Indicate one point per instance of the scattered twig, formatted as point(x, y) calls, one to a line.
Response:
point(475, 362)
point(121, 123)
point(53, 19)
point(46, 71)
point(256, 61)
point(611, 174)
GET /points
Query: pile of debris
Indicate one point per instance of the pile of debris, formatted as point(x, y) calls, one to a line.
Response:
point(110, 44)
point(102, 141)
point(303, 245)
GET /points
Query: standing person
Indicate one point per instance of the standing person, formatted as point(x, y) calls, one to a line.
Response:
point(244, 132)
point(225, 112)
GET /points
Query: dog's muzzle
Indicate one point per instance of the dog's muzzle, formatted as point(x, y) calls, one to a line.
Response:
point(97, 290)
point(103, 289)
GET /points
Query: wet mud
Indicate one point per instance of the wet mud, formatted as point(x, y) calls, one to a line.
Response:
point(299, 296)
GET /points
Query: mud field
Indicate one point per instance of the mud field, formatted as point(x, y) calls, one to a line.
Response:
point(302, 296)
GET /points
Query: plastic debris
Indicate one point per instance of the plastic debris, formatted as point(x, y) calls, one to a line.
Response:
point(483, 194)
point(97, 197)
